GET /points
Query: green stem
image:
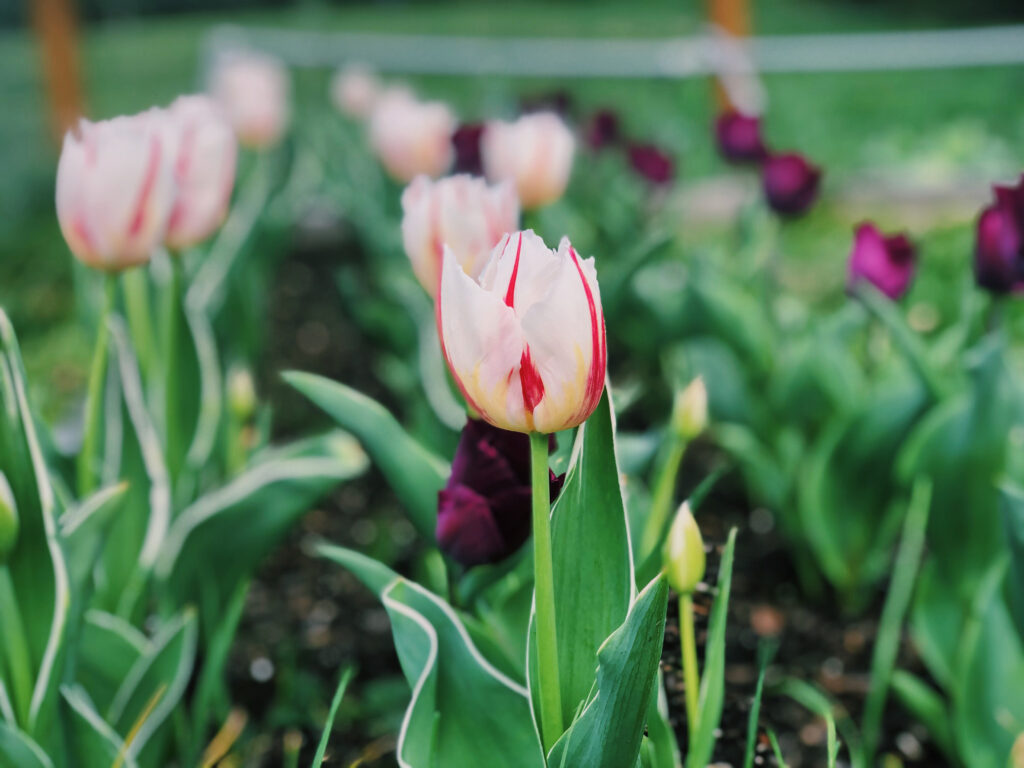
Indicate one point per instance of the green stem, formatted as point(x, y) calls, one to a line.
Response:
point(691, 677)
point(87, 480)
point(544, 586)
point(661, 500)
point(15, 648)
point(172, 390)
point(136, 307)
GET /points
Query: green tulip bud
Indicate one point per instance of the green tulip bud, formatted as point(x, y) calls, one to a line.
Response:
point(690, 410)
point(8, 519)
point(683, 553)
point(241, 393)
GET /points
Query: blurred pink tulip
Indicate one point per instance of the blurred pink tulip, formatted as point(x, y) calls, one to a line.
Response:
point(204, 153)
point(535, 152)
point(526, 342)
point(411, 137)
point(461, 212)
point(254, 91)
point(115, 189)
point(354, 91)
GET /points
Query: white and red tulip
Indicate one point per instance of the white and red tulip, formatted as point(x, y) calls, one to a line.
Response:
point(115, 189)
point(411, 137)
point(461, 212)
point(535, 152)
point(355, 90)
point(526, 342)
point(254, 91)
point(204, 152)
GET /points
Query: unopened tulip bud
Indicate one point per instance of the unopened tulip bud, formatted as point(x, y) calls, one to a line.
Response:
point(604, 129)
point(683, 553)
point(466, 142)
point(203, 149)
point(739, 137)
point(999, 246)
point(652, 163)
point(8, 519)
point(690, 411)
point(115, 189)
point(254, 91)
point(458, 211)
point(790, 183)
point(535, 153)
point(412, 137)
point(241, 393)
point(526, 342)
point(886, 262)
point(354, 91)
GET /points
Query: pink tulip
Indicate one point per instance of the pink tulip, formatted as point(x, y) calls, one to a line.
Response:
point(203, 151)
point(411, 137)
point(354, 91)
point(115, 189)
point(535, 152)
point(254, 90)
point(461, 212)
point(526, 342)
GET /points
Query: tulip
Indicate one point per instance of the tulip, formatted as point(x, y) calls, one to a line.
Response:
point(886, 262)
point(604, 130)
point(690, 410)
point(354, 91)
point(204, 152)
point(535, 152)
point(411, 137)
point(115, 189)
point(790, 183)
point(652, 163)
point(739, 137)
point(254, 90)
point(526, 342)
point(683, 554)
point(483, 513)
point(461, 212)
point(999, 248)
point(466, 143)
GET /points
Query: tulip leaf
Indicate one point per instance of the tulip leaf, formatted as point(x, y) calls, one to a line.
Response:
point(1013, 522)
point(591, 556)
point(95, 743)
point(108, 647)
point(17, 749)
point(609, 730)
point(250, 514)
point(38, 571)
point(415, 474)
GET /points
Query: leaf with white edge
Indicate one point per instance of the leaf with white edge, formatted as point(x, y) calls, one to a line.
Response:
point(415, 474)
point(609, 730)
point(94, 743)
point(374, 574)
point(82, 530)
point(251, 513)
point(19, 751)
point(108, 647)
point(37, 566)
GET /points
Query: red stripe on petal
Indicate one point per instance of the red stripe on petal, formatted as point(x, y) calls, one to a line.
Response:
point(148, 182)
point(531, 382)
point(510, 296)
point(599, 349)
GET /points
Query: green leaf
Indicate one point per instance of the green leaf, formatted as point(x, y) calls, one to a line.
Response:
point(415, 474)
point(19, 751)
point(809, 696)
point(1013, 523)
point(95, 743)
point(712, 684)
point(325, 737)
point(765, 652)
point(660, 749)
point(247, 517)
point(608, 732)
point(108, 648)
point(926, 706)
point(82, 531)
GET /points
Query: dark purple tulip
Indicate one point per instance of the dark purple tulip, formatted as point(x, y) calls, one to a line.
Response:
point(603, 129)
point(790, 183)
point(483, 513)
point(999, 248)
point(887, 263)
point(466, 141)
point(652, 163)
point(739, 137)
point(558, 101)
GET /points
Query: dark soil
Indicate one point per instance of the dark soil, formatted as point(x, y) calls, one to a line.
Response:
point(307, 619)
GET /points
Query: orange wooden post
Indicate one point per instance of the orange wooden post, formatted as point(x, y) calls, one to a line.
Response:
point(733, 18)
point(54, 22)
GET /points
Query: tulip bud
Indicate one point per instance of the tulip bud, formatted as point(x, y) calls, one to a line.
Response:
point(411, 137)
point(460, 212)
point(690, 410)
point(483, 513)
point(115, 189)
point(254, 90)
point(241, 393)
point(739, 137)
point(203, 153)
point(790, 183)
point(999, 247)
point(354, 91)
point(683, 553)
point(652, 163)
point(535, 153)
point(604, 130)
point(886, 262)
point(526, 343)
point(466, 143)
point(8, 519)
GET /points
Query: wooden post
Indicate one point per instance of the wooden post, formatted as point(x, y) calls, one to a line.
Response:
point(54, 22)
point(733, 18)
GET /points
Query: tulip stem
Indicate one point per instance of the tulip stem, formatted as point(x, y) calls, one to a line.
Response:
point(664, 492)
point(549, 686)
point(691, 677)
point(15, 648)
point(94, 394)
point(136, 307)
point(172, 387)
